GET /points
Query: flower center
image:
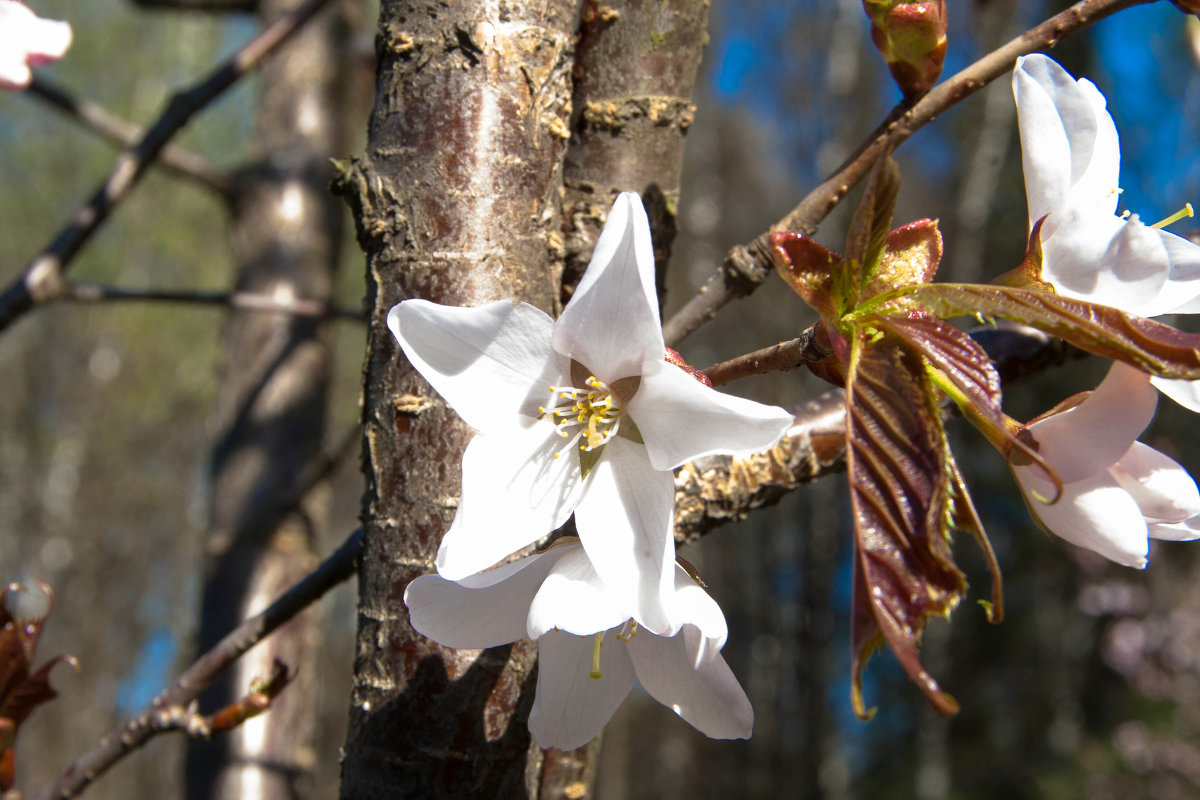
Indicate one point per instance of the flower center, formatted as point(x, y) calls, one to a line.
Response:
point(624, 634)
point(590, 416)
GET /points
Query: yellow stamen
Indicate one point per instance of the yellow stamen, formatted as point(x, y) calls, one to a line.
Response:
point(1186, 211)
point(595, 673)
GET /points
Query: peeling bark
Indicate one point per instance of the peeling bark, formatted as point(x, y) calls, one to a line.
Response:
point(634, 75)
point(456, 200)
point(271, 412)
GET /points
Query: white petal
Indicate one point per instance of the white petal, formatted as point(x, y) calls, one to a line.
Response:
point(1107, 260)
point(1091, 437)
point(692, 606)
point(708, 696)
point(681, 419)
point(573, 599)
point(485, 610)
point(571, 707)
point(611, 325)
point(1186, 393)
point(1069, 145)
point(1096, 513)
point(27, 40)
point(1186, 531)
point(514, 491)
point(491, 363)
point(1160, 486)
point(625, 523)
point(1181, 294)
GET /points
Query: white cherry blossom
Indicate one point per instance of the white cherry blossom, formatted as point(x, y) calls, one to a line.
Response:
point(579, 414)
point(1117, 492)
point(26, 41)
point(590, 653)
point(1071, 156)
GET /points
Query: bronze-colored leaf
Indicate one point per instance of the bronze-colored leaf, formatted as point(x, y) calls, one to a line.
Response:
point(965, 518)
point(1148, 345)
point(808, 268)
point(911, 255)
point(867, 237)
point(1028, 275)
point(900, 472)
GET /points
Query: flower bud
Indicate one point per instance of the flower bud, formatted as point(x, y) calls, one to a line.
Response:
point(911, 36)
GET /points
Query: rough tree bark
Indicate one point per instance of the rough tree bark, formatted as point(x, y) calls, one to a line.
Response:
point(271, 412)
point(635, 72)
point(456, 200)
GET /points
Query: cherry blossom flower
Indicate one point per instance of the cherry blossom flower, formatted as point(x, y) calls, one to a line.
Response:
point(1071, 158)
point(1117, 491)
point(580, 414)
point(26, 41)
point(590, 653)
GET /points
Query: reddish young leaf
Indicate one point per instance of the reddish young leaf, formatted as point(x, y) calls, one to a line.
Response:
point(808, 268)
point(911, 255)
point(898, 462)
point(1148, 345)
point(867, 238)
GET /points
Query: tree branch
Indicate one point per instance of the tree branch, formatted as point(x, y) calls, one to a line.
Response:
point(747, 266)
point(137, 731)
point(778, 357)
point(111, 128)
point(717, 489)
point(241, 301)
point(43, 279)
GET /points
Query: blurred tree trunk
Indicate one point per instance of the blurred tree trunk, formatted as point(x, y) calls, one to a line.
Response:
point(271, 413)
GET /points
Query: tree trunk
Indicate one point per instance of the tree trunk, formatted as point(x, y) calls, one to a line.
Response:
point(272, 408)
point(457, 201)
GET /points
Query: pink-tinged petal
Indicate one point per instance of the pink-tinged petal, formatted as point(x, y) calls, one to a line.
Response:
point(1186, 531)
point(680, 419)
point(625, 523)
point(514, 492)
point(611, 325)
point(27, 41)
point(1186, 393)
point(1160, 486)
point(492, 363)
point(484, 610)
point(693, 607)
point(572, 599)
point(707, 695)
point(1069, 146)
point(1091, 437)
point(571, 707)
point(1096, 513)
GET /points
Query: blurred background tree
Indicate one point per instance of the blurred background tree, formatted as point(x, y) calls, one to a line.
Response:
point(113, 413)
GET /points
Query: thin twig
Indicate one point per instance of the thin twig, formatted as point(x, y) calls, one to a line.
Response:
point(779, 357)
point(133, 734)
point(43, 278)
point(241, 301)
point(747, 266)
point(108, 126)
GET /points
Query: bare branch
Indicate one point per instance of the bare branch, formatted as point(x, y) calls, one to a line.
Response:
point(43, 279)
point(109, 127)
point(175, 701)
point(242, 301)
point(747, 266)
point(779, 357)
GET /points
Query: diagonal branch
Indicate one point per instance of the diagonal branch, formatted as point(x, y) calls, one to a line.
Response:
point(97, 119)
point(747, 266)
point(137, 731)
point(42, 279)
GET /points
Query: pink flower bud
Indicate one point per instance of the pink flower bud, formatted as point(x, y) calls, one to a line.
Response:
point(911, 36)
